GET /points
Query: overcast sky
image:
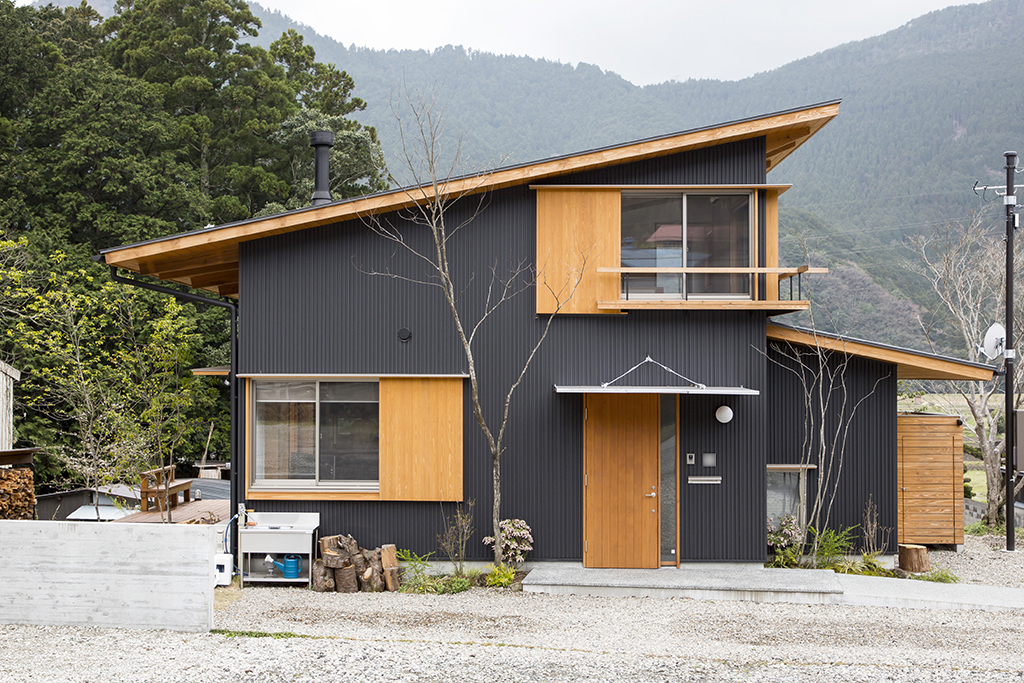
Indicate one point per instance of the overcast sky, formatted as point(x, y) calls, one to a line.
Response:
point(644, 41)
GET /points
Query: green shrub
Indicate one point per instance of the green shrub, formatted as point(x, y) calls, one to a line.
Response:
point(831, 545)
point(518, 541)
point(453, 584)
point(415, 576)
point(501, 576)
point(978, 529)
point(867, 565)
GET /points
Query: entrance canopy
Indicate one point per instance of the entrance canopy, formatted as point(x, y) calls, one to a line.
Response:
point(691, 387)
point(603, 389)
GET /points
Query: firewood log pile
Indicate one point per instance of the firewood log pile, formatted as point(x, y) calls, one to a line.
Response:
point(347, 568)
point(17, 494)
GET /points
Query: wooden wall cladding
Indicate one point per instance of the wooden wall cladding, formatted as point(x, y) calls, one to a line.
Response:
point(577, 228)
point(930, 479)
point(421, 439)
point(772, 244)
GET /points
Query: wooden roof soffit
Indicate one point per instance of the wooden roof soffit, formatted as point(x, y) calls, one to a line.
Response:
point(208, 259)
point(909, 364)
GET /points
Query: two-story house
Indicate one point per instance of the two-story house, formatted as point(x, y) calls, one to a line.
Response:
point(354, 398)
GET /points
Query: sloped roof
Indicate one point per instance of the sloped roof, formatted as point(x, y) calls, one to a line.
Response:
point(909, 364)
point(208, 259)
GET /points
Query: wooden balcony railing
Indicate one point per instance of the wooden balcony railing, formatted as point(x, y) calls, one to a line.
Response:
point(710, 299)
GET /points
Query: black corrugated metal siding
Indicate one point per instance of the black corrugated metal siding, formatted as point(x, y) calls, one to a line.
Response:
point(869, 467)
point(735, 163)
point(311, 304)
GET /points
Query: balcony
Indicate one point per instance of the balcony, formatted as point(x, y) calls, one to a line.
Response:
point(683, 292)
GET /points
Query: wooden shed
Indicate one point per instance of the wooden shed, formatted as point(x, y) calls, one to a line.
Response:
point(8, 376)
point(930, 493)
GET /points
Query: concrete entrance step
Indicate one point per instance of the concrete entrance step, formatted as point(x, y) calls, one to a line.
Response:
point(700, 582)
point(751, 583)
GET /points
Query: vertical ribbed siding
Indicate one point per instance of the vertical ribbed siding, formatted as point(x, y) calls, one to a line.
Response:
point(869, 467)
point(736, 163)
point(310, 304)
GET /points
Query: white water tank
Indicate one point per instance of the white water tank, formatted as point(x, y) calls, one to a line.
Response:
point(222, 565)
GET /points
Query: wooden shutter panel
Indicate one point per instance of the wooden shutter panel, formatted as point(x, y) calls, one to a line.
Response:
point(573, 226)
point(421, 438)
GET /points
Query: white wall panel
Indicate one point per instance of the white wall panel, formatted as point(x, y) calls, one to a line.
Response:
point(145, 576)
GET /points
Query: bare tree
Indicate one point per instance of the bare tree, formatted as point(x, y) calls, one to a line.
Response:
point(965, 265)
point(829, 411)
point(434, 190)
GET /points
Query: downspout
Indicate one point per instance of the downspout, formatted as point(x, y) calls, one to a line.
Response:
point(232, 384)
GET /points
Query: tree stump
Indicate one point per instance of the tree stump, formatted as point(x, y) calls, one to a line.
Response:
point(323, 577)
point(391, 578)
point(388, 556)
point(359, 562)
point(914, 558)
point(345, 579)
point(373, 576)
point(334, 551)
point(349, 545)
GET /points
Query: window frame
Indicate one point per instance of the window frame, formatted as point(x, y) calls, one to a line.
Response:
point(315, 484)
point(684, 194)
point(422, 419)
point(801, 486)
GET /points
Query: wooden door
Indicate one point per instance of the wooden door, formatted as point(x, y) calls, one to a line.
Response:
point(930, 479)
point(620, 464)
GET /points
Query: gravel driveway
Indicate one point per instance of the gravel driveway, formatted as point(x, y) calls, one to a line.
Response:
point(487, 635)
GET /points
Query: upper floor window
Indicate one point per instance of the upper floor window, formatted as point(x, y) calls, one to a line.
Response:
point(691, 230)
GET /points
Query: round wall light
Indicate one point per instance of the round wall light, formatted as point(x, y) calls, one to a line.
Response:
point(723, 414)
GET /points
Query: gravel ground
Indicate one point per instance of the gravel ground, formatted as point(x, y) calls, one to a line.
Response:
point(489, 635)
point(984, 561)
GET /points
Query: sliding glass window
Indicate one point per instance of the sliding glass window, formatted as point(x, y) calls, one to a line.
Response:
point(670, 229)
point(317, 434)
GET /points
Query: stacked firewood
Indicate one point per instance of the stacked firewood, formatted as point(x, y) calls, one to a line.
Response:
point(347, 568)
point(17, 494)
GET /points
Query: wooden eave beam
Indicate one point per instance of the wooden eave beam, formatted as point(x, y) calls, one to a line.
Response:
point(166, 274)
point(166, 266)
point(908, 365)
point(203, 280)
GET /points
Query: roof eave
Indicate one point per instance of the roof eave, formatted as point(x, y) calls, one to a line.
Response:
point(207, 259)
point(909, 364)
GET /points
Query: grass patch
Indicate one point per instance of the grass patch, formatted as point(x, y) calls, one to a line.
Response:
point(982, 529)
point(976, 478)
point(937, 575)
point(225, 595)
point(257, 634)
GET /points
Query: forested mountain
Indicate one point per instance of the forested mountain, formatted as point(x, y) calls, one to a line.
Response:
point(927, 110)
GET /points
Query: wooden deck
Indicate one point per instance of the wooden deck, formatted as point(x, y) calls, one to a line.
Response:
point(197, 509)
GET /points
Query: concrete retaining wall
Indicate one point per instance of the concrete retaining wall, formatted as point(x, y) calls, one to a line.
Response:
point(145, 576)
point(974, 510)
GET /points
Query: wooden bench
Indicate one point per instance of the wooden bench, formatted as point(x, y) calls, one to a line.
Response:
point(153, 488)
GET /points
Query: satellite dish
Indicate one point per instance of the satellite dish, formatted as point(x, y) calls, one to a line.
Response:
point(995, 340)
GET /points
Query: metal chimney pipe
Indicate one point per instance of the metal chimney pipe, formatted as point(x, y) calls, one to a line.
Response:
point(321, 141)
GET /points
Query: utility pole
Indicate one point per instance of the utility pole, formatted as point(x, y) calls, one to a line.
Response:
point(1009, 353)
point(1010, 450)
